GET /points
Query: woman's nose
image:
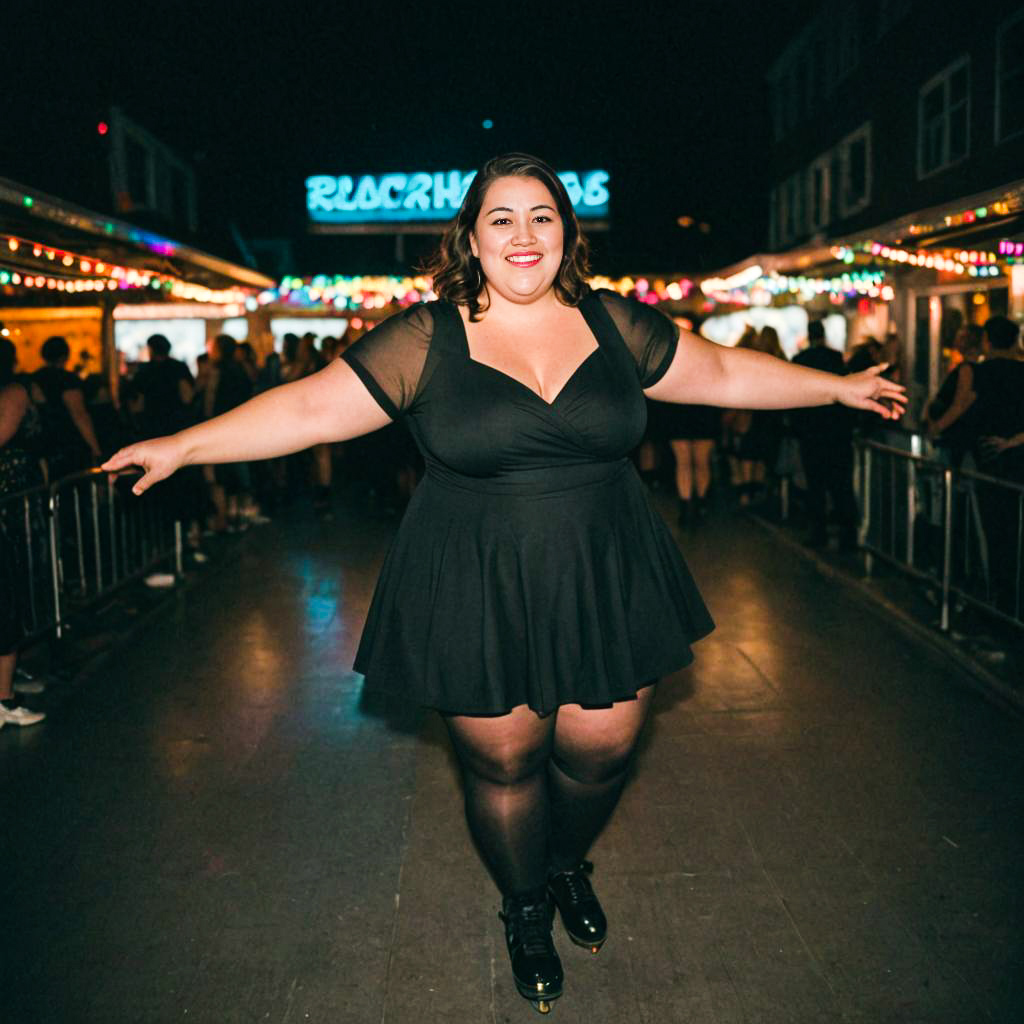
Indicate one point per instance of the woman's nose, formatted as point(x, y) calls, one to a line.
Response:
point(523, 230)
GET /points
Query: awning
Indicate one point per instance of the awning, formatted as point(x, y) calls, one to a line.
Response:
point(50, 245)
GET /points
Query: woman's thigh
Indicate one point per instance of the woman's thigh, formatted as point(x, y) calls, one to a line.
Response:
point(502, 748)
point(593, 744)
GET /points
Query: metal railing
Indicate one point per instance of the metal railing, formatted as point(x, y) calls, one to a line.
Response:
point(77, 540)
point(960, 530)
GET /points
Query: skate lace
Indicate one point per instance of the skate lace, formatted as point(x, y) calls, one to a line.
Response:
point(577, 885)
point(533, 928)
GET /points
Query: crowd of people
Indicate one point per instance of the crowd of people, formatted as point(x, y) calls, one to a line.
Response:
point(748, 453)
point(55, 422)
point(976, 420)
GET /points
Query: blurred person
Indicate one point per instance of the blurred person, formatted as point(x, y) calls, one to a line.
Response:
point(228, 387)
point(995, 405)
point(948, 416)
point(69, 437)
point(245, 355)
point(763, 441)
point(329, 348)
point(864, 355)
point(736, 424)
point(826, 448)
point(532, 596)
point(892, 357)
point(164, 389)
point(18, 471)
point(163, 394)
point(308, 360)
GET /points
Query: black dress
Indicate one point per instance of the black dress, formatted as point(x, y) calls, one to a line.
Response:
point(529, 567)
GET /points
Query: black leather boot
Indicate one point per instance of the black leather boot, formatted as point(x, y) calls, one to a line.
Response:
point(536, 969)
point(581, 912)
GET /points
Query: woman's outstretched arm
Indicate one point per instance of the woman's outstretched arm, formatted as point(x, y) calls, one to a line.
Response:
point(703, 373)
point(331, 405)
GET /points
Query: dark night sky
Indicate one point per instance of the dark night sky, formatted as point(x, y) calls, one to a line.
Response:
point(669, 97)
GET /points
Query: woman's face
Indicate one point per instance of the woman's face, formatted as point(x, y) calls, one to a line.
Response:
point(518, 238)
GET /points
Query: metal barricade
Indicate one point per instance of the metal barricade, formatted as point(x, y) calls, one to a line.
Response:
point(80, 538)
point(960, 530)
point(25, 535)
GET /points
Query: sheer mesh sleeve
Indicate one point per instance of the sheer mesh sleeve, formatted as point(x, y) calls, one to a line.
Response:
point(389, 359)
point(649, 334)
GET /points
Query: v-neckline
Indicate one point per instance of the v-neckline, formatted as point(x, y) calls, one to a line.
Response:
point(515, 380)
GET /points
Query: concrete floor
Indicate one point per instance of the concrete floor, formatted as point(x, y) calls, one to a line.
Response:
point(824, 824)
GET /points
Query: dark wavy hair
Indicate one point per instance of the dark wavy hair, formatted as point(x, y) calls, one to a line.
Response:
point(457, 274)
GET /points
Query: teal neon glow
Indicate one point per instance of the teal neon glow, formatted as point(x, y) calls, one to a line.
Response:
point(397, 197)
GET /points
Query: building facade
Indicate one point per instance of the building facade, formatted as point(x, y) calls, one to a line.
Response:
point(898, 146)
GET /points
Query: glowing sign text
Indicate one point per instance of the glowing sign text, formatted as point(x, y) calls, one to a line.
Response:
point(384, 198)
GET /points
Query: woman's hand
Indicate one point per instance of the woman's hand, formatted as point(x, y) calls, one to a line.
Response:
point(158, 459)
point(873, 392)
point(993, 446)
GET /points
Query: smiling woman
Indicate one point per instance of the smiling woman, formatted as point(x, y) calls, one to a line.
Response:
point(458, 274)
point(532, 596)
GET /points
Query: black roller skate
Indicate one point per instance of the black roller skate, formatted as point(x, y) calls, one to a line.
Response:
point(536, 969)
point(581, 912)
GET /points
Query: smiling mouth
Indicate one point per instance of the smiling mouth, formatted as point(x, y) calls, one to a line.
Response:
point(524, 259)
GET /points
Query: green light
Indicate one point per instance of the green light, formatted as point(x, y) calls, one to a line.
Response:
point(109, 228)
point(4, 277)
point(28, 201)
point(981, 211)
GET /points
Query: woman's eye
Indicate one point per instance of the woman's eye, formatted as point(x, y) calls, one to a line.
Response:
point(543, 218)
point(501, 220)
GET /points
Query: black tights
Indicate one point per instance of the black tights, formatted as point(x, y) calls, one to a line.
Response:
point(539, 790)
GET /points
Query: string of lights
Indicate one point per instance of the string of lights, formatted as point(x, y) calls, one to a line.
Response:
point(59, 269)
point(367, 292)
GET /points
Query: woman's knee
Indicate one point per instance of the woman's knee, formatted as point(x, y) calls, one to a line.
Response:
point(501, 759)
point(596, 762)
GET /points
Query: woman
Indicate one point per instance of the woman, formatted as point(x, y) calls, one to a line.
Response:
point(531, 595)
point(737, 424)
point(691, 432)
point(18, 471)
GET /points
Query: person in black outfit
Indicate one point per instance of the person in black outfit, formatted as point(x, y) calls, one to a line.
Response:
point(69, 438)
point(163, 391)
point(164, 388)
point(994, 405)
point(826, 449)
point(949, 422)
point(227, 387)
point(18, 471)
point(532, 595)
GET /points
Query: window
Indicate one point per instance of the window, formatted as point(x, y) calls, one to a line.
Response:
point(794, 207)
point(818, 189)
point(855, 171)
point(1010, 78)
point(944, 119)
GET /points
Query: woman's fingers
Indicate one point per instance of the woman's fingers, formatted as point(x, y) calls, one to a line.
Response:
point(120, 460)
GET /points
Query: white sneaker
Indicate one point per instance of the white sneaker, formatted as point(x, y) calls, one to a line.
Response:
point(19, 716)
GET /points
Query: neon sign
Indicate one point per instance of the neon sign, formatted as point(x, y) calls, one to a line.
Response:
point(419, 197)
